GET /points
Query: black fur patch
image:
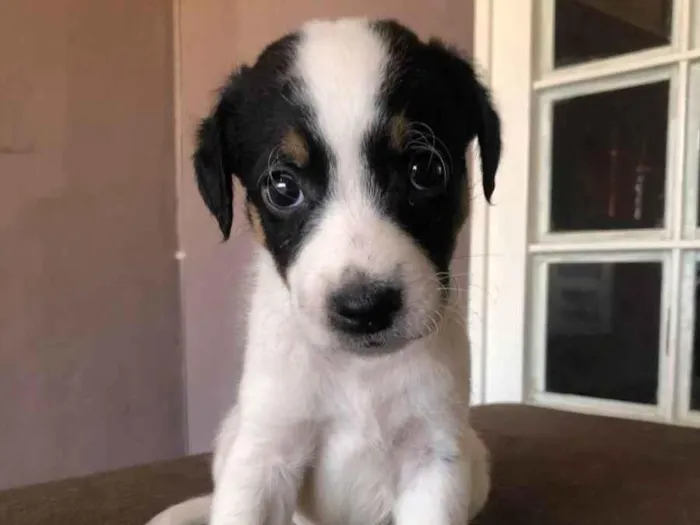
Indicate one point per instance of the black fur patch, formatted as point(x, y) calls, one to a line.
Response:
point(436, 91)
point(257, 108)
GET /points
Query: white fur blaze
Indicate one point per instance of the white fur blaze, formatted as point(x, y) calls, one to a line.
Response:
point(342, 65)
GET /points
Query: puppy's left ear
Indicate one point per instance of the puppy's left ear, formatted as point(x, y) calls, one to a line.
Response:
point(475, 108)
point(217, 154)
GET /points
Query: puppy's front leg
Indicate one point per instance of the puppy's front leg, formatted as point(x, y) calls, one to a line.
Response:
point(260, 477)
point(435, 495)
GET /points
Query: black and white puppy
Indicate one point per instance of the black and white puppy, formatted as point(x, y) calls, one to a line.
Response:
point(349, 139)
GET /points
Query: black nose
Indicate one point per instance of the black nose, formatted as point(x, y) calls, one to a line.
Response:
point(365, 306)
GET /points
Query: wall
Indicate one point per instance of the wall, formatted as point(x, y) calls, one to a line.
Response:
point(215, 36)
point(90, 356)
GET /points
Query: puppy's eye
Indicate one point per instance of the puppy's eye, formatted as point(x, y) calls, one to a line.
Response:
point(427, 173)
point(281, 193)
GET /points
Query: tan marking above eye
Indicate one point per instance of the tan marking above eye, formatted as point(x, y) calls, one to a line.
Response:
point(255, 222)
point(398, 128)
point(295, 147)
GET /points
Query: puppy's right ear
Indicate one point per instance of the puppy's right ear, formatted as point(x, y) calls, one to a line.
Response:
point(216, 158)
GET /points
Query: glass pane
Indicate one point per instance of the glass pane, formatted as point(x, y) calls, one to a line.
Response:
point(695, 371)
point(609, 159)
point(588, 30)
point(693, 141)
point(603, 330)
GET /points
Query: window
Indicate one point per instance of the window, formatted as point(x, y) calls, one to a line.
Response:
point(591, 254)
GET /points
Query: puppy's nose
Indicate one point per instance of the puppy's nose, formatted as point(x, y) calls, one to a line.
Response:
point(365, 306)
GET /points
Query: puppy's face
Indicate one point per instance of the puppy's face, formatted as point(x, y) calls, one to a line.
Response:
point(349, 138)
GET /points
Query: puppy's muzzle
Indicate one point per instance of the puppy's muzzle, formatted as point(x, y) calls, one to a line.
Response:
point(365, 306)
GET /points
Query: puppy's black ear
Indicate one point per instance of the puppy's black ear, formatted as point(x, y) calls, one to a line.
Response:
point(216, 157)
point(489, 135)
point(475, 108)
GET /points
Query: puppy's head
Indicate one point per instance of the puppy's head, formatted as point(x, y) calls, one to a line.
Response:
point(349, 138)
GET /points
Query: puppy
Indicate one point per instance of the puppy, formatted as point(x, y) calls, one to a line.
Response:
point(349, 138)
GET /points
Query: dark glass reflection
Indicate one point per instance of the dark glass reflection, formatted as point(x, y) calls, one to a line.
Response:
point(695, 371)
point(587, 30)
point(603, 330)
point(609, 160)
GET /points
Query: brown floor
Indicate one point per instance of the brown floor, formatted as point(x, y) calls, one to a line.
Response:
point(550, 468)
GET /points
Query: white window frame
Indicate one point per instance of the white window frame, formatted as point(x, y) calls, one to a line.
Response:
point(509, 244)
point(499, 248)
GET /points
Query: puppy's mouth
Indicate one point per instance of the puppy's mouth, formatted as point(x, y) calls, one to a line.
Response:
point(375, 346)
point(385, 343)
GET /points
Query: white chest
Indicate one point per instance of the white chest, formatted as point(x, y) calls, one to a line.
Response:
point(375, 436)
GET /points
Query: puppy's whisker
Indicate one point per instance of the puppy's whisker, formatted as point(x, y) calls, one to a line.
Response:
point(426, 132)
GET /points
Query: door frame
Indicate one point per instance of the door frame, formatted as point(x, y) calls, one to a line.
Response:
point(498, 243)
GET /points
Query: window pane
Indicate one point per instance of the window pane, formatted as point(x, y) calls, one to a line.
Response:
point(609, 159)
point(603, 330)
point(588, 30)
point(695, 371)
point(693, 143)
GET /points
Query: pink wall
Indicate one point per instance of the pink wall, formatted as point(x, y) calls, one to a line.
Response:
point(91, 362)
point(216, 35)
point(90, 354)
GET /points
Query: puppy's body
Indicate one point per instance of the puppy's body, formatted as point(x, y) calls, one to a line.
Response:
point(353, 434)
point(360, 430)
point(349, 139)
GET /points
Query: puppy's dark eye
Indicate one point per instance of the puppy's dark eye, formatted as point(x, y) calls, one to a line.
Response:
point(281, 193)
point(427, 173)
